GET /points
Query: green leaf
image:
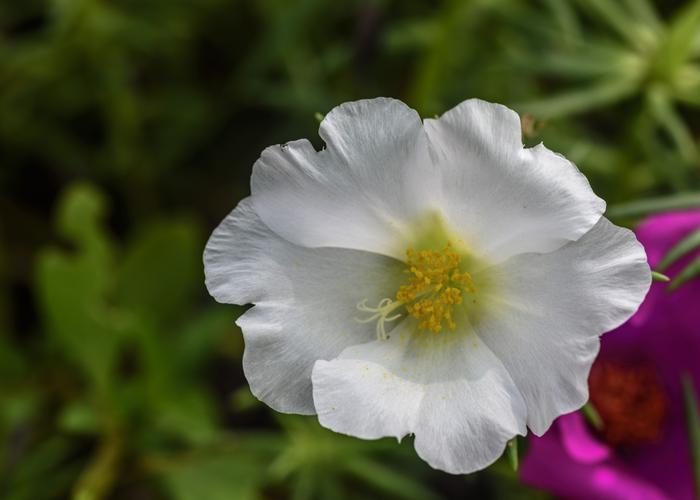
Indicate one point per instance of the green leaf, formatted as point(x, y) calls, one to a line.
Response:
point(644, 11)
point(596, 95)
point(565, 16)
point(683, 247)
point(657, 276)
point(692, 415)
point(304, 484)
point(166, 393)
point(665, 113)
point(242, 399)
point(212, 330)
point(311, 450)
point(162, 270)
point(678, 44)
point(592, 60)
point(618, 19)
point(648, 206)
point(80, 211)
point(42, 471)
point(385, 479)
point(689, 272)
point(72, 287)
point(188, 413)
point(78, 417)
point(232, 475)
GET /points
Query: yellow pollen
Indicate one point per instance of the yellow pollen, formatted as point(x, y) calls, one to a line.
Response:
point(435, 286)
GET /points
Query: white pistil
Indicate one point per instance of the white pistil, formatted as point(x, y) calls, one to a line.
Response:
point(380, 314)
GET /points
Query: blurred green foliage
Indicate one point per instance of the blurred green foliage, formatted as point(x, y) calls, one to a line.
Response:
point(127, 131)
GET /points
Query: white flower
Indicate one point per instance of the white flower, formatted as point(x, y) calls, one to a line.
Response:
point(432, 277)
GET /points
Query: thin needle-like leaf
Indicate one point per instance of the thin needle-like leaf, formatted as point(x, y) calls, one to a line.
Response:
point(592, 415)
point(644, 11)
point(565, 16)
point(679, 42)
point(687, 87)
point(691, 271)
point(577, 101)
point(590, 61)
point(386, 479)
point(615, 17)
point(685, 246)
point(657, 276)
point(640, 208)
point(661, 107)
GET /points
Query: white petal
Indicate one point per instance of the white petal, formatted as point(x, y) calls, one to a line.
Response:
point(305, 302)
point(506, 199)
point(550, 309)
point(450, 391)
point(374, 177)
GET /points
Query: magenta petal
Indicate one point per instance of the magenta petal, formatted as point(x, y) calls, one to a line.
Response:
point(608, 481)
point(578, 441)
point(549, 466)
point(659, 234)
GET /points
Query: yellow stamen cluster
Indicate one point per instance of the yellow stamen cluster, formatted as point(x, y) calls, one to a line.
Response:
point(435, 286)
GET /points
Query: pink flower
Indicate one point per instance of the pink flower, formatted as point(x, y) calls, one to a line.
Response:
point(642, 451)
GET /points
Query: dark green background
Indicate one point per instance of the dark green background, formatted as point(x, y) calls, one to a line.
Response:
point(128, 129)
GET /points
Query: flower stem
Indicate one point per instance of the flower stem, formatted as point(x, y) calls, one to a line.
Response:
point(512, 450)
point(693, 422)
point(592, 415)
point(96, 481)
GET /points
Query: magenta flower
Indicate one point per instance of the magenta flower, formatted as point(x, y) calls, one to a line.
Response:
point(642, 451)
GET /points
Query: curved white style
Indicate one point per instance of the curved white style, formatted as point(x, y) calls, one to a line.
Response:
point(431, 277)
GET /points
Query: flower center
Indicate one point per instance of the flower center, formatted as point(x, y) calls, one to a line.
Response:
point(435, 285)
point(630, 401)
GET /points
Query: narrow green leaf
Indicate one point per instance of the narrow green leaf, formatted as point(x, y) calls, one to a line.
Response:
point(691, 271)
point(396, 484)
point(512, 450)
point(577, 101)
point(693, 423)
point(678, 43)
point(592, 415)
point(594, 60)
point(683, 247)
point(640, 208)
point(664, 112)
point(644, 11)
point(615, 16)
point(689, 92)
point(304, 485)
point(565, 17)
point(657, 276)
